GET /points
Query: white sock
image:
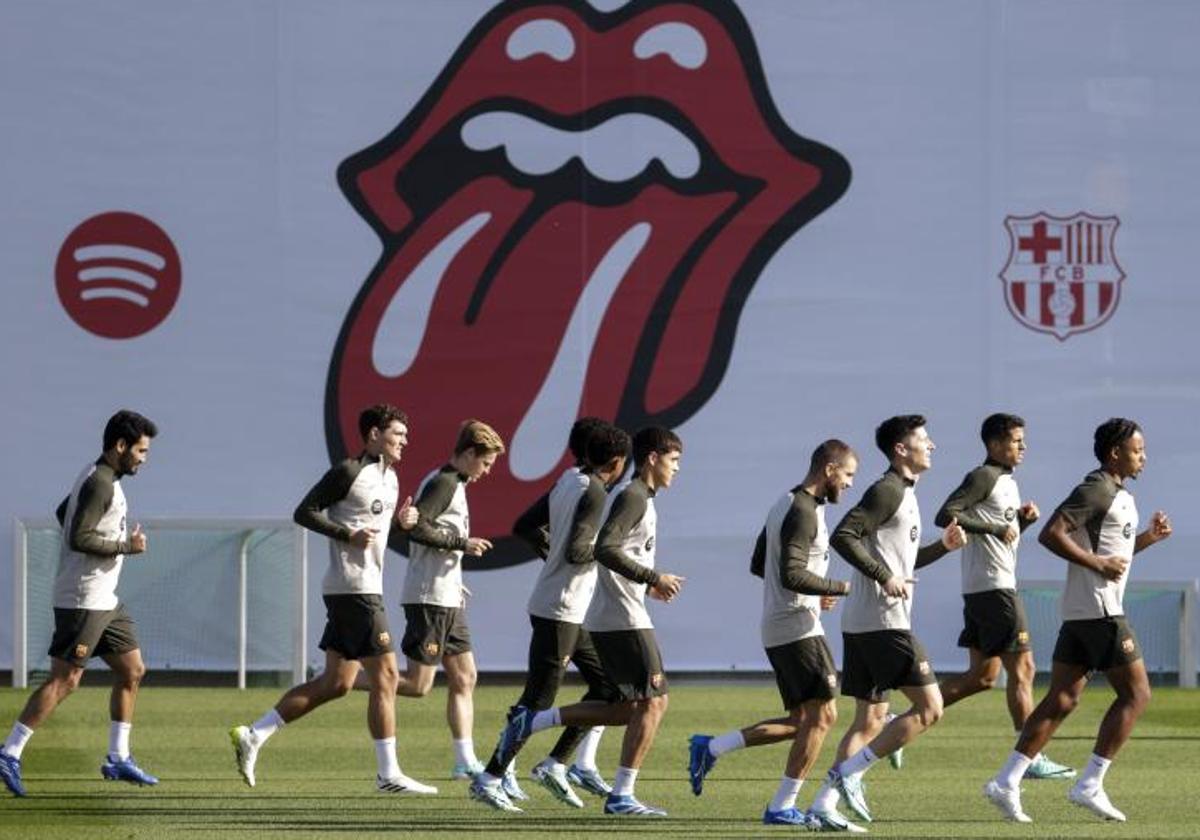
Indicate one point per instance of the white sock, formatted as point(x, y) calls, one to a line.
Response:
point(785, 797)
point(118, 739)
point(585, 753)
point(15, 743)
point(464, 752)
point(266, 726)
point(827, 798)
point(1012, 771)
point(546, 719)
point(858, 763)
point(624, 780)
point(728, 742)
point(1093, 774)
point(385, 758)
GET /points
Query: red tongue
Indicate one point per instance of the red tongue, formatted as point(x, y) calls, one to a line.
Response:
point(494, 367)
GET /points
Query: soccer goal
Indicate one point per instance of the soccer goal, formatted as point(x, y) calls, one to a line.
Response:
point(212, 596)
point(1162, 614)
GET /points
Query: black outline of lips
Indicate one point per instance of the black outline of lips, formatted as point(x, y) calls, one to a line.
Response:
point(835, 179)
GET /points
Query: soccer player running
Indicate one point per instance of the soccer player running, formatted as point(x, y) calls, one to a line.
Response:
point(558, 604)
point(1095, 531)
point(988, 507)
point(620, 626)
point(89, 620)
point(433, 595)
point(792, 557)
point(353, 505)
point(880, 538)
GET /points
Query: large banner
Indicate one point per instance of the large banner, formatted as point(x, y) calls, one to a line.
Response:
point(762, 223)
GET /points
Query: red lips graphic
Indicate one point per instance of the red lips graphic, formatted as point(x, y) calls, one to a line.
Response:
point(571, 217)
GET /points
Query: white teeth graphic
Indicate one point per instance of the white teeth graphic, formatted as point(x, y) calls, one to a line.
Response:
point(537, 443)
point(682, 42)
point(541, 36)
point(607, 150)
point(407, 316)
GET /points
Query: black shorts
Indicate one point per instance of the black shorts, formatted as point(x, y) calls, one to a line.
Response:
point(1097, 643)
point(553, 645)
point(81, 634)
point(356, 626)
point(804, 671)
point(881, 660)
point(432, 632)
point(633, 663)
point(994, 622)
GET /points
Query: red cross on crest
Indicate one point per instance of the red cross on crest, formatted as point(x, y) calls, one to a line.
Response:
point(1062, 275)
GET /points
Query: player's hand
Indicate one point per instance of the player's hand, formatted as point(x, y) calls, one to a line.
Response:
point(137, 540)
point(1111, 567)
point(1011, 534)
point(1029, 512)
point(407, 515)
point(828, 602)
point(1160, 526)
point(668, 587)
point(363, 537)
point(476, 546)
point(895, 587)
point(954, 536)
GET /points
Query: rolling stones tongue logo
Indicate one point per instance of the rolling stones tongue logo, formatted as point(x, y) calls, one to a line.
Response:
point(572, 217)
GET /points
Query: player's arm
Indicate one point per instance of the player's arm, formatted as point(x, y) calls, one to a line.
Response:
point(796, 535)
point(849, 539)
point(332, 488)
point(581, 540)
point(976, 486)
point(627, 511)
point(93, 500)
point(435, 498)
point(758, 559)
point(1159, 530)
point(953, 536)
point(1087, 504)
point(533, 526)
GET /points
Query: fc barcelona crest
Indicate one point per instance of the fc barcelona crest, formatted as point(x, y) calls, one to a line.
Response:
point(1062, 275)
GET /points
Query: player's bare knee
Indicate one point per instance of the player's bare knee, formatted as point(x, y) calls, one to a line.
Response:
point(930, 714)
point(985, 681)
point(462, 682)
point(827, 716)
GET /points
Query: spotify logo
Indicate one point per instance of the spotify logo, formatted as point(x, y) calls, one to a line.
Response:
point(117, 275)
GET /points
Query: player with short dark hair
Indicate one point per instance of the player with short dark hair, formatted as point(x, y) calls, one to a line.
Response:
point(880, 537)
point(89, 620)
point(792, 557)
point(987, 504)
point(1095, 531)
point(353, 505)
point(562, 527)
point(620, 626)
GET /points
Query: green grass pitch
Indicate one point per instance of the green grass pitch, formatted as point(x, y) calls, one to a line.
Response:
point(315, 778)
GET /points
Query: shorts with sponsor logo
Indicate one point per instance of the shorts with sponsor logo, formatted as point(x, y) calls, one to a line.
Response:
point(356, 626)
point(994, 622)
point(432, 632)
point(1097, 643)
point(81, 634)
point(632, 661)
point(804, 671)
point(878, 661)
point(554, 645)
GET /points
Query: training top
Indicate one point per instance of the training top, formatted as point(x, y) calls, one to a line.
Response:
point(625, 548)
point(1104, 521)
point(792, 557)
point(880, 537)
point(565, 584)
point(355, 494)
point(94, 540)
point(986, 504)
point(437, 541)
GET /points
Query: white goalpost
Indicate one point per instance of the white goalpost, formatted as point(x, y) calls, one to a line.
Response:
point(208, 595)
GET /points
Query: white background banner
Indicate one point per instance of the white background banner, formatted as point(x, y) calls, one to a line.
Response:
point(707, 271)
